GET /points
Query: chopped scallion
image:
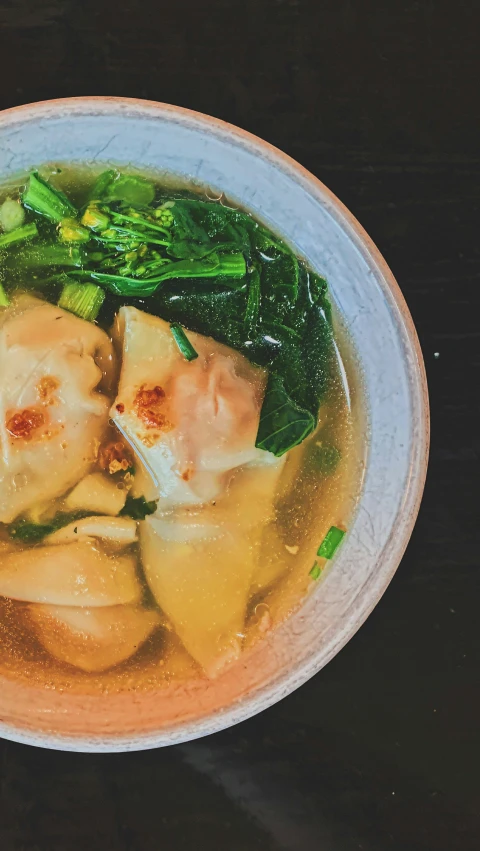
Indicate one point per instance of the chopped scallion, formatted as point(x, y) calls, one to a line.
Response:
point(84, 300)
point(315, 571)
point(331, 542)
point(183, 342)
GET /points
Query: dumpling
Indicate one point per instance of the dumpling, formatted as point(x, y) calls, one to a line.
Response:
point(191, 422)
point(79, 574)
point(52, 413)
point(193, 425)
point(93, 639)
point(199, 564)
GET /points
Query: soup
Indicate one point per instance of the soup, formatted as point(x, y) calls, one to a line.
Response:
point(179, 449)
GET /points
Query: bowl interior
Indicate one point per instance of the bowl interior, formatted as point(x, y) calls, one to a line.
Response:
point(312, 220)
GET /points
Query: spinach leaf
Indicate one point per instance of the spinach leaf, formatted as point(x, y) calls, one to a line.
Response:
point(200, 227)
point(127, 188)
point(283, 424)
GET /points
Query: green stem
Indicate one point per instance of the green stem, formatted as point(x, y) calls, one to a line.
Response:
point(43, 199)
point(19, 234)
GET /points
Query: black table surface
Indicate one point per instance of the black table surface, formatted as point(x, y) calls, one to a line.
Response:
point(381, 750)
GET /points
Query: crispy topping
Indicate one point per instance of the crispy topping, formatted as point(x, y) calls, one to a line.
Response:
point(120, 407)
point(148, 406)
point(187, 475)
point(23, 424)
point(46, 387)
point(114, 457)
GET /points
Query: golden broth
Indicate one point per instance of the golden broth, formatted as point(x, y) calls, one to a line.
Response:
point(311, 497)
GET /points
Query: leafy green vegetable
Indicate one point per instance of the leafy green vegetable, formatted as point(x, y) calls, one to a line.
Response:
point(283, 424)
point(128, 188)
point(53, 254)
point(19, 234)
point(138, 508)
point(85, 300)
point(183, 342)
point(331, 542)
point(215, 266)
point(43, 199)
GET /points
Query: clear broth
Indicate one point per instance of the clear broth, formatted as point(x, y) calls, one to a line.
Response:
point(309, 502)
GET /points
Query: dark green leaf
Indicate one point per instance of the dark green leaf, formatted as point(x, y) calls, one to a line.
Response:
point(138, 508)
point(127, 188)
point(283, 424)
point(43, 199)
point(218, 267)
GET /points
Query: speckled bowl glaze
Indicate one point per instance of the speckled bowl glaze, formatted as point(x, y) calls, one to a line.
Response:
point(295, 204)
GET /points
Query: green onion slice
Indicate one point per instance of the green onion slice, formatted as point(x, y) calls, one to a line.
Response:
point(183, 342)
point(85, 300)
point(331, 542)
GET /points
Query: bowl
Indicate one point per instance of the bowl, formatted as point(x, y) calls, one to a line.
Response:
point(299, 207)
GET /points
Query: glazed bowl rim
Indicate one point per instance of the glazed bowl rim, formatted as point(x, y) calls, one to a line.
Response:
point(390, 556)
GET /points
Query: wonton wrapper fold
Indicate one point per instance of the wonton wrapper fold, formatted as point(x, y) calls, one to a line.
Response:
point(93, 639)
point(78, 574)
point(52, 365)
point(215, 489)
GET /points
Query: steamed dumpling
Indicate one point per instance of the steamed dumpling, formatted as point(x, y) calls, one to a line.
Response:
point(194, 426)
point(191, 422)
point(79, 574)
point(200, 564)
point(93, 639)
point(52, 413)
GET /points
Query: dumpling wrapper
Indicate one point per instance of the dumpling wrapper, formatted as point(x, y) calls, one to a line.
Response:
point(52, 413)
point(93, 639)
point(191, 422)
point(200, 563)
point(195, 435)
point(96, 493)
point(116, 531)
point(78, 574)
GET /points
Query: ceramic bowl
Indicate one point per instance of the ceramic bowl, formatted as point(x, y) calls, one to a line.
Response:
point(296, 205)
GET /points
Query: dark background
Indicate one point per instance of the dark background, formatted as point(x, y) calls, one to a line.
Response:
point(381, 750)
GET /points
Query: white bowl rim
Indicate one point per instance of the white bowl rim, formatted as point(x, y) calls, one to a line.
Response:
point(392, 552)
